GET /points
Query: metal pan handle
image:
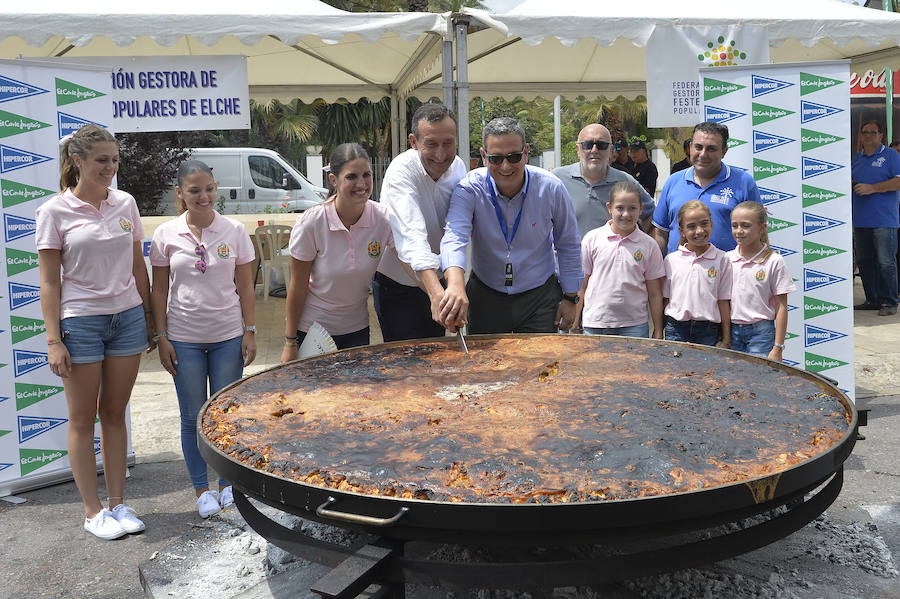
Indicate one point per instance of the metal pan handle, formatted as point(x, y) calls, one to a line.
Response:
point(323, 512)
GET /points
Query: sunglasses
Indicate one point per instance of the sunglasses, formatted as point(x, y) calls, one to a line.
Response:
point(587, 144)
point(499, 158)
point(201, 263)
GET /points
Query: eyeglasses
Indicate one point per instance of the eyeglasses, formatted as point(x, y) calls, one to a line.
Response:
point(201, 263)
point(864, 132)
point(513, 158)
point(587, 144)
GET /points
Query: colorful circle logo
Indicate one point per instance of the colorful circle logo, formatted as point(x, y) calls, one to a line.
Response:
point(721, 54)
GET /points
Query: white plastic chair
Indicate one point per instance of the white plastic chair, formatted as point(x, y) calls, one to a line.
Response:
point(270, 241)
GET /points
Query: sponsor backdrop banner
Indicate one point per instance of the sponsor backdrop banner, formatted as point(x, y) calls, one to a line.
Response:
point(40, 103)
point(170, 93)
point(674, 56)
point(789, 125)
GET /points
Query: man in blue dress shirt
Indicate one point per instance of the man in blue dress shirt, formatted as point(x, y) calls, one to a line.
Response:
point(515, 216)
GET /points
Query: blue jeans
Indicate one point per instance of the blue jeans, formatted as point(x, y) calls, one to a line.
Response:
point(216, 364)
point(403, 312)
point(876, 258)
point(638, 330)
point(757, 338)
point(702, 332)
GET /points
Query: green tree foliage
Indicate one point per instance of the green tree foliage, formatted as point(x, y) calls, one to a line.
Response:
point(365, 122)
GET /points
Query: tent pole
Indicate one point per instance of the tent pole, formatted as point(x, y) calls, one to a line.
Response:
point(395, 126)
point(461, 26)
point(447, 75)
point(557, 145)
point(889, 103)
point(404, 139)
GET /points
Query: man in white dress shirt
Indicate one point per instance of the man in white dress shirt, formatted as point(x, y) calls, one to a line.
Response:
point(416, 190)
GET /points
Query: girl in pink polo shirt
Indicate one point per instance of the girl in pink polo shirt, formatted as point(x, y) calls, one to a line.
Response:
point(335, 248)
point(760, 286)
point(624, 271)
point(698, 282)
point(202, 268)
point(95, 297)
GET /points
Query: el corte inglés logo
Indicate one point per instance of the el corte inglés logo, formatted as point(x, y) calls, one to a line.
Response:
point(776, 224)
point(734, 142)
point(812, 83)
point(810, 139)
point(16, 193)
point(13, 124)
point(68, 92)
point(813, 307)
point(713, 88)
point(817, 363)
point(816, 195)
point(18, 261)
point(28, 394)
point(763, 169)
point(25, 328)
point(32, 459)
point(816, 251)
point(763, 114)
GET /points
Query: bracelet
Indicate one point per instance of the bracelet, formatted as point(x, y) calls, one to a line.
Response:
point(158, 335)
point(148, 311)
point(779, 345)
point(53, 340)
point(290, 343)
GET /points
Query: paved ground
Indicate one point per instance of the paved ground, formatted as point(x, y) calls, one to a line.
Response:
point(44, 552)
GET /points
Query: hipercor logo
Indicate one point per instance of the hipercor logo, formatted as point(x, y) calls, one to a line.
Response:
point(813, 335)
point(18, 261)
point(817, 363)
point(32, 426)
point(763, 169)
point(816, 251)
point(12, 159)
point(15, 124)
point(785, 252)
point(765, 85)
point(813, 223)
point(4, 466)
point(763, 141)
point(776, 224)
point(70, 124)
point(713, 88)
point(816, 195)
point(721, 115)
point(25, 328)
point(813, 279)
point(810, 83)
point(11, 89)
point(813, 307)
point(810, 140)
point(25, 361)
point(32, 459)
point(22, 295)
point(764, 114)
point(810, 111)
point(773, 196)
point(28, 394)
point(14, 192)
point(69, 93)
point(96, 445)
point(790, 362)
point(811, 167)
point(16, 227)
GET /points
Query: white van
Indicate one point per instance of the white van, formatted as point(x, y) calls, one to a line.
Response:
point(253, 181)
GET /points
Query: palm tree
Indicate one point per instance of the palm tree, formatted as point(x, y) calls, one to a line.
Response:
point(365, 122)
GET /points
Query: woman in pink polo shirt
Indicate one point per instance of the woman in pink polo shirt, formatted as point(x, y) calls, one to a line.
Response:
point(95, 297)
point(202, 267)
point(335, 248)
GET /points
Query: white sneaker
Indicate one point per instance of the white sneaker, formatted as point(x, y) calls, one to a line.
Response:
point(208, 504)
point(104, 525)
point(126, 517)
point(226, 497)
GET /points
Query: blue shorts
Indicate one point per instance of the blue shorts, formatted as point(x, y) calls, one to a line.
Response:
point(757, 338)
point(90, 338)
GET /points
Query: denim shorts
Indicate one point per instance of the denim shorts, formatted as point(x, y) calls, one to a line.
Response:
point(757, 338)
point(90, 338)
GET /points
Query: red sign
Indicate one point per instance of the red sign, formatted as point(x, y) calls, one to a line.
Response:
point(871, 84)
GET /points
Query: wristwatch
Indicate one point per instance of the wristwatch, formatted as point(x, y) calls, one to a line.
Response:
point(571, 297)
point(250, 329)
point(778, 345)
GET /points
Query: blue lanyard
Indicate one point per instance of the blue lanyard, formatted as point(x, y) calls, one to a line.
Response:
point(508, 238)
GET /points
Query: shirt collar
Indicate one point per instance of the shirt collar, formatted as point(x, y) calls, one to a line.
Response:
point(73, 201)
point(610, 234)
point(755, 258)
point(182, 228)
point(724, 173)
point(707, 254)
point(334, 221)
point(525, 180)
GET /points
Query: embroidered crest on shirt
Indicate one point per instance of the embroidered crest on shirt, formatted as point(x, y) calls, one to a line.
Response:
point(760, 275)
point(712, 272)
point(126, 225)
point(223, 251)
point(878, 161)
point(638, 255)
point(374, 249)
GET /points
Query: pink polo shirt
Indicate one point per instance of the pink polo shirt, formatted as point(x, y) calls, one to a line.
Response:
point(203, 306)
point(755, 283)
point(96, 251)
point(343, 264)
point(619, 267)
point(694, 284)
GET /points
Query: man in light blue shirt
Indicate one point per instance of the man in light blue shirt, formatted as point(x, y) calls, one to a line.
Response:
point(515, 216)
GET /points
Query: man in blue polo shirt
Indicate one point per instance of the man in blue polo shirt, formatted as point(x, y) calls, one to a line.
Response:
point(709, 180)
point(876, 180)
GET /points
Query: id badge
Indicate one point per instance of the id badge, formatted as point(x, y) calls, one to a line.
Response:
point(509, 275)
